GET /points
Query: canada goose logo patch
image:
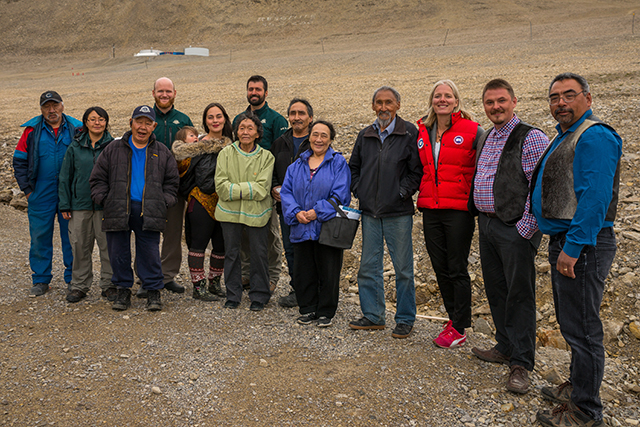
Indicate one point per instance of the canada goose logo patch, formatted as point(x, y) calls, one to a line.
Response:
point(458, 140)
point(420, 143)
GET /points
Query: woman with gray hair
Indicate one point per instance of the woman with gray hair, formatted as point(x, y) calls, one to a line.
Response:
point(447, 145)
point(243, 182)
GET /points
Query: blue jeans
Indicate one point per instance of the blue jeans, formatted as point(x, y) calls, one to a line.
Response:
point(577, 302)
point(397, 233)
point(288, 247)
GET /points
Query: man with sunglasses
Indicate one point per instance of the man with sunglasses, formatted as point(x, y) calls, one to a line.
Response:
point(574, 198)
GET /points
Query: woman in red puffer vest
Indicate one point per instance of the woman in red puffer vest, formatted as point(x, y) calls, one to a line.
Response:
point(447, 140)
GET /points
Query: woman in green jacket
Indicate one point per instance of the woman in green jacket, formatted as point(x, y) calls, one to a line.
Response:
point(243, 184)
point(85, 217)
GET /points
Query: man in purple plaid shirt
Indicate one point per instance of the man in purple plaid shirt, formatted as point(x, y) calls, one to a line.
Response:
point(509, 235)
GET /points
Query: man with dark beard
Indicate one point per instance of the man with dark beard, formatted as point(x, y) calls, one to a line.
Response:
point(169, 121)
point(385, 173)
point(273, 125)
point(509, 236)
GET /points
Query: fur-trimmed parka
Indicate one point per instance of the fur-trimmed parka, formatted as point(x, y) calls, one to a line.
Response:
point(201, 167)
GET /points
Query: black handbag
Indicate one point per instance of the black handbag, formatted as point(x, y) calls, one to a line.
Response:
point(340, 231)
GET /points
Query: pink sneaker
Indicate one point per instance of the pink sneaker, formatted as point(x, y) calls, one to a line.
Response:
point(449, 337)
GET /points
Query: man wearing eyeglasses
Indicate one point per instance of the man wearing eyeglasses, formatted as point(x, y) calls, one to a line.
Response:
point(508, 233)
point(574, 198)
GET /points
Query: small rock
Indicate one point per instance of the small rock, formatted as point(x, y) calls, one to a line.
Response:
point(66, 349)
point(124, 356)
point(552, 338)
point(193, 376)
point(612, 329)
point(506, 407)
point(482, 326)
point(481, 309)
point(632, 388)
point(634, 328)
point(156, 390)
point(553, 376)
point(632, 422)
point(629, 278)
point(544, 267)
point(264, 362)
point(19, 202)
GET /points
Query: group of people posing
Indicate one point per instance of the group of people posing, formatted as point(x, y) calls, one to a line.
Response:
point(254, 186)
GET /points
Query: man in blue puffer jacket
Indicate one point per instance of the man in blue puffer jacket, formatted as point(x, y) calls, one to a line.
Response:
point(36, 165)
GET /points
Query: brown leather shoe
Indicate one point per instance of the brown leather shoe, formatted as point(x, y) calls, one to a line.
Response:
point(490, 355)
point(518, 380)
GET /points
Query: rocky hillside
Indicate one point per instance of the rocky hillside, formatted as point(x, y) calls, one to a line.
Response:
point(94, 26)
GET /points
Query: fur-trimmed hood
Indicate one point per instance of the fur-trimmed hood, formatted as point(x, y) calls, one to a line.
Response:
point(182, 150)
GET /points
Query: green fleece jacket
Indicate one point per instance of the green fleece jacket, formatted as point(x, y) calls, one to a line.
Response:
point(243, 185)
point(273, 124)
point(169, 124)
point(74, 190)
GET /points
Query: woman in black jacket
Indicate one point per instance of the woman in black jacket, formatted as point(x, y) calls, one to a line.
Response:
point(197, 165)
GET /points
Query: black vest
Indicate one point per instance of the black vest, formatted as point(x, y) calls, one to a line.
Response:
point(510, 186)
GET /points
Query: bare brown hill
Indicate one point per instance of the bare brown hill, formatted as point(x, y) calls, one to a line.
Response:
point(94, 26)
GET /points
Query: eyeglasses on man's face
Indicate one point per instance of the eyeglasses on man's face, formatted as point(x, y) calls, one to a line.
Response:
point(569, 96)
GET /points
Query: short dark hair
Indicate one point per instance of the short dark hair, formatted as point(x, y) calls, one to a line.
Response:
point(248, 115)
point(498, 84)
point(332, 131)
point(257, 78)
point(573, 76)
point(226, 129)
point(302, 101)
point(99, 111)
point(395, 93)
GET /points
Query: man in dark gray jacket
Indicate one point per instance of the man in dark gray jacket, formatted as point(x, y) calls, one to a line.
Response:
point(136, 179)
point(385, 173)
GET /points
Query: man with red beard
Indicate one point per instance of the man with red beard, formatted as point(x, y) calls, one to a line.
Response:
point(169, 121)
point(509, 235)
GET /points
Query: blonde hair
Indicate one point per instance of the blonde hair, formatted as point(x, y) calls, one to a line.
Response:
point(430, 118)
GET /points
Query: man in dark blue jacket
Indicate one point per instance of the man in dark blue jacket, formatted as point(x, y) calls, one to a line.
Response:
point(36, 165)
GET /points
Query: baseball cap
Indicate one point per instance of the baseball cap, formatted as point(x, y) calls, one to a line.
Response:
point(50, 95)
point(144, 111)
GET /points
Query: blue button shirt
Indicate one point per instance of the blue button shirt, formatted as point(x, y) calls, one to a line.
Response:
point(388, 131)
point(594, 167)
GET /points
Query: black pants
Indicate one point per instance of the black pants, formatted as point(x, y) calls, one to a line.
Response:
point(316, 277)
point(259, 276)
point(448, 234)
point(509, 274)
point(149, 268)
point(203, 229)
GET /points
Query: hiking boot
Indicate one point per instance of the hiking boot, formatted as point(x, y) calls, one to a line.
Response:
point(567, 415)
point(288, 301)
point(174, 287)
point(518, 381)
point(201, 292)
point(142, 292)
point(123, 299)
point(231, 304)
point(324, 322)
point(256, 306)
point(307, 319)
point(364, 323)
point(560, 394)
point(215, 287)
point(402, 330)
point(449, 337)
point(38, 289)
point(75, 296)
point(490, 355)
point(110, 294)
point(153, 300)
